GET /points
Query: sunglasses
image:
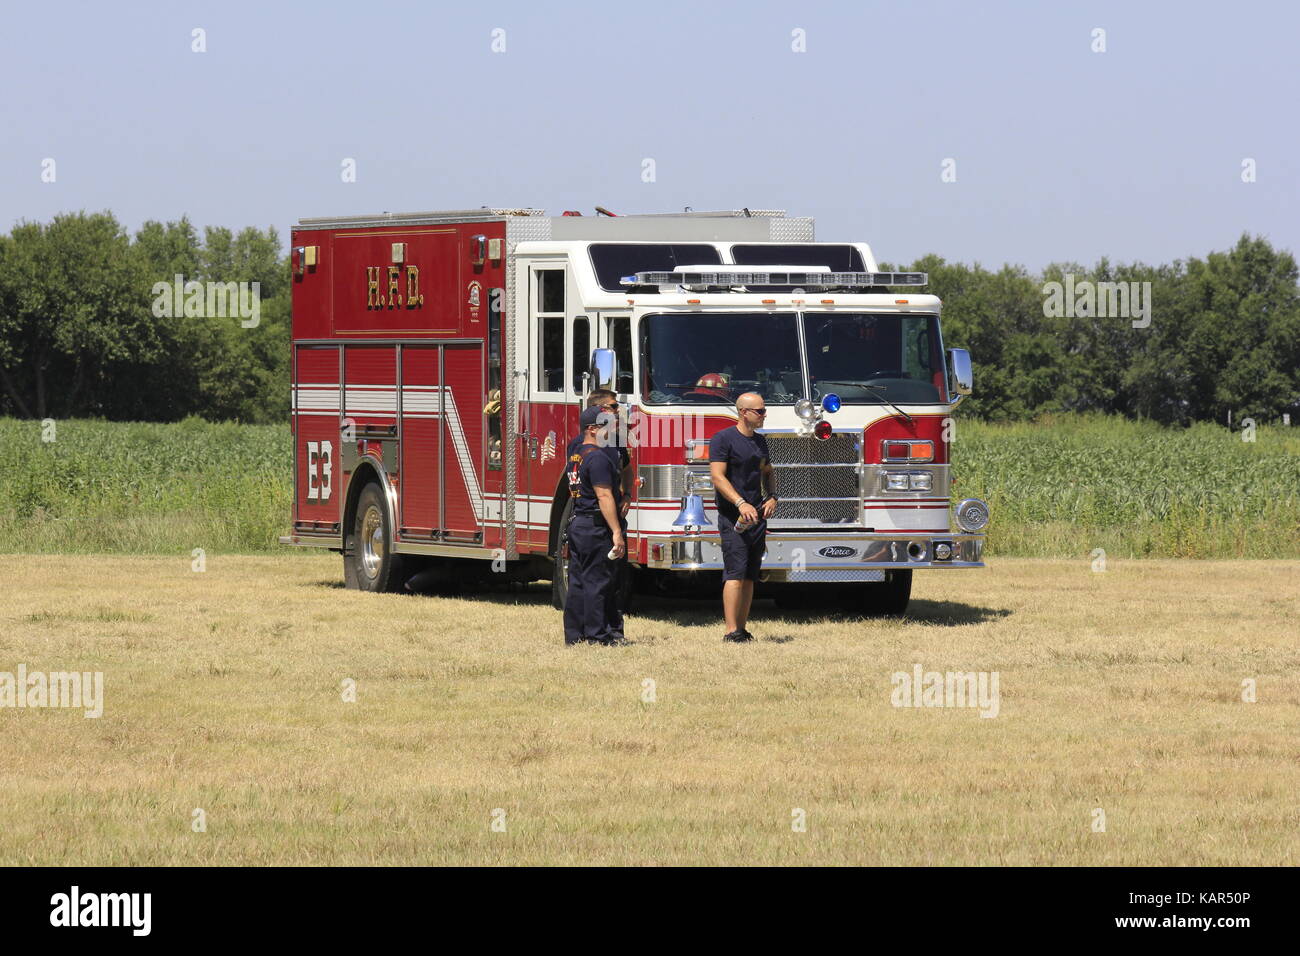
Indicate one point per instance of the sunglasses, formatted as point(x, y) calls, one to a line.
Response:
point(756, 411)
point(611, 407)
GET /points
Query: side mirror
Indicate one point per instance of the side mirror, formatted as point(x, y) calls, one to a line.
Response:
point(959, 372)
point(604, 369)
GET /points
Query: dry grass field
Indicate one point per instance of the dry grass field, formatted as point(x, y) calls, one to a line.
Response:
point(1119, 691)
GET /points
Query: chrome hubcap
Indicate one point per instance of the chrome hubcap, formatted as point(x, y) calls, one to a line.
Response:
point(372, 541)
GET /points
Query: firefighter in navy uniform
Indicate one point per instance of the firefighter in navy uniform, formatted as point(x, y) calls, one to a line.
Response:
point(596, 539)
point(614, 446)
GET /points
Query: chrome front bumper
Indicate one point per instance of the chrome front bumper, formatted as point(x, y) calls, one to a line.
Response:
point(789, 554)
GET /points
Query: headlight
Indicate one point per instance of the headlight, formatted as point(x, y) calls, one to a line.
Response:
point(972, 515)
point(908, 481)
point(805, 409)
point(896, 481)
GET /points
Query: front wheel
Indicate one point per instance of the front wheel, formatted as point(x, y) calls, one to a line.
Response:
point(560, 562)
point(891, 596)
point(369, 563)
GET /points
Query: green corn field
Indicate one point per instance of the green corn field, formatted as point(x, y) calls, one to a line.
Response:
point(1064, 486)
point(1068, 486)
point(134, 488)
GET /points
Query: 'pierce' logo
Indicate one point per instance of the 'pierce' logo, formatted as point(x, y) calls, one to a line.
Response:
point(838, 551)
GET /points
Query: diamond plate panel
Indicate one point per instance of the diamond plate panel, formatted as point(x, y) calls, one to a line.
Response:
point(822, 575)
point(792, 229)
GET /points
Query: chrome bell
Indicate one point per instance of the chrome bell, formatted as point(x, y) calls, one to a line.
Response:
point(692, 515)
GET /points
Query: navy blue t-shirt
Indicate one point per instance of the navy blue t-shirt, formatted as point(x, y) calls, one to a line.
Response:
point(745, 458)
point(619, 455)
point(595, 469)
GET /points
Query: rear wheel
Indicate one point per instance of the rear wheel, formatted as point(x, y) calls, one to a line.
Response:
point(369, 563)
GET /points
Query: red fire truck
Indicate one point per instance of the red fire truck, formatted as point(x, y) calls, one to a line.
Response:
point(440, 362)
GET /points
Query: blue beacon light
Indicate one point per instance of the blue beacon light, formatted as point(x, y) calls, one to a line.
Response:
point(831, 402)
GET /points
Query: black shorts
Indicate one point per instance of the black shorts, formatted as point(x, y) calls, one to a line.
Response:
point(742, 551)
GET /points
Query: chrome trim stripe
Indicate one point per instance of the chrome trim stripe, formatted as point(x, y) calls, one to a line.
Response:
point(447, 550)
point(313, 541)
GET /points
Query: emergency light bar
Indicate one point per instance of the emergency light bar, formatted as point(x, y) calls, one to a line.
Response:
point(818, 277)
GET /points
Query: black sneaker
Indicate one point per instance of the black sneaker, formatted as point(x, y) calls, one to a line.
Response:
point(745, 631)
point(737, 637)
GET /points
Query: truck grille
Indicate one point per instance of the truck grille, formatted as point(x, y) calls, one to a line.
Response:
point(818, 480)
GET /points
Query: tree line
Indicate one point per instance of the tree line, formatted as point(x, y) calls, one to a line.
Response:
point(1206, 339)
point(85, 332)
point(80, 333)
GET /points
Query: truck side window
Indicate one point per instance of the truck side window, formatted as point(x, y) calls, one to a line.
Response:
point(551, 361)
point(620, 340)
point(581, 352)
point(550, 293)
point(549, 302)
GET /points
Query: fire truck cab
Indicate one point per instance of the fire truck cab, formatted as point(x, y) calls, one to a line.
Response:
point(441, 360)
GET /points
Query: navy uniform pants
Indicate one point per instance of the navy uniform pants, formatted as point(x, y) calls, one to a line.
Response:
point(591, 606)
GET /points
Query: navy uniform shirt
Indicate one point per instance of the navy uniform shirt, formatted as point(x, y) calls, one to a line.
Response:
point(596, 469)
point(744, 458)
point(619, 455)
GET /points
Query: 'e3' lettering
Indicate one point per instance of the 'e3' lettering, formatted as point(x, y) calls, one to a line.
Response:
point(320, 470)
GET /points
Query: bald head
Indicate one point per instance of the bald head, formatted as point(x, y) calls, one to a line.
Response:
point(749, 412)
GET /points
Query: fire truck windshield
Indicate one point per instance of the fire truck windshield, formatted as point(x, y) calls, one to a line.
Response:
point(865, 358)
point(875, 358)
point(710, 359)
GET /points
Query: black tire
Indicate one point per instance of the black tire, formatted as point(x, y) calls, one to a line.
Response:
point(369, 563)
point(891, 596)
point(560, 561)
point(797, 597)
point(886, 598)
point(626, 587)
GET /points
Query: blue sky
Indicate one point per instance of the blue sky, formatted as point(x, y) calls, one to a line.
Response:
point(1062, 154)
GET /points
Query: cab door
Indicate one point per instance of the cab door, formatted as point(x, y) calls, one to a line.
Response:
point(543, 397)
point(614, 331)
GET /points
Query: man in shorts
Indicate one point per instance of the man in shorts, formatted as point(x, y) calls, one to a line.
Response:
point(741, 470)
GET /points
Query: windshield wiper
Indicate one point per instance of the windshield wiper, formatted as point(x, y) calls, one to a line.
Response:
point(873, 387)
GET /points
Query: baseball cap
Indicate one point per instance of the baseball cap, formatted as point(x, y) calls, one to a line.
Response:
point(593, 416)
